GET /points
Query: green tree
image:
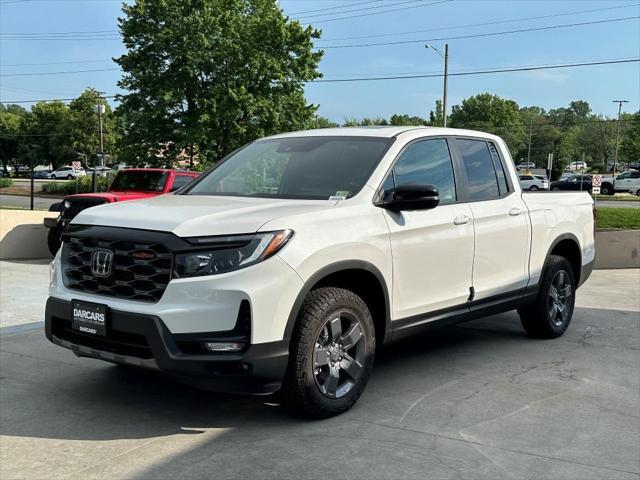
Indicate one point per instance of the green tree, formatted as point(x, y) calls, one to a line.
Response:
point(321, 122)
point(47, 135)
point(436, 117)
point(207, 76)
point(10, 134)
point(490, 113)
point(630, 145)
point(85, 129)
point(365, 122)
point(407, 120)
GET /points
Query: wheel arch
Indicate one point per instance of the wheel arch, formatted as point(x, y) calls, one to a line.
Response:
point(361, 277)
point(567, 245)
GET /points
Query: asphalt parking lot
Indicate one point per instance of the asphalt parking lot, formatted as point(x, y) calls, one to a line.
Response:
point(480, 400)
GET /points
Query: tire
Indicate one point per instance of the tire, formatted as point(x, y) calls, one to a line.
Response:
point(54, 241)
point(308, 384)
point(606, 189)
point(555, 189)
point(544, 318)
point(533, 188)
point(69, 177)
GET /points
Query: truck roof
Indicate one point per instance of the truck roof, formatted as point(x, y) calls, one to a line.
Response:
point(379, 131)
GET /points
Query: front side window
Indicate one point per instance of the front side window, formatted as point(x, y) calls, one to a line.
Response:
point(426, 162)
point(180, 181)
point(316, 168)
point(480, 170)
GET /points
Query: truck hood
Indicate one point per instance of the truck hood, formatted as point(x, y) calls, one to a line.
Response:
point(192, 216)
point(115, 196)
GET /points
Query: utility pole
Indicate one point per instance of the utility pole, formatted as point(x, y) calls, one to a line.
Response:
point(445, 57)
point(615, 158)
point(529, 148)
point(100, 109)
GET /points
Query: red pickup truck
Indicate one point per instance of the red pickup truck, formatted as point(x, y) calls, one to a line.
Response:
point(128, 184)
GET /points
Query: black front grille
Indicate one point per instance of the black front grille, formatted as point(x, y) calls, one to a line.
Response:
point(79, 204)
point(139, 271)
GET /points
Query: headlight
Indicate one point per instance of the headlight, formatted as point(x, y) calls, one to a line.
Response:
point(66, 204)
point(229, 253)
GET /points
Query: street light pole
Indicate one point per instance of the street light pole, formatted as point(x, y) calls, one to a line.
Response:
point(445, 57)
point(100, 109)
point(615, 158)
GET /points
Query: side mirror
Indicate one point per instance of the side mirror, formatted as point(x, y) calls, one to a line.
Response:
point(412, 197)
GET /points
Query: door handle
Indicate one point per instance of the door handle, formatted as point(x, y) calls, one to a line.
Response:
point(514, 212)
point(461, 220)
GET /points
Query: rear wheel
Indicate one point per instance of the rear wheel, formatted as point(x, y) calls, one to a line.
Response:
point(533, 188)
point(550, 315)
point(331, 353)
point(69, 177)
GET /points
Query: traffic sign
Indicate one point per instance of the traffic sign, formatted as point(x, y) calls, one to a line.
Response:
point(76, 165)
point(595, 190)
point(597, 181)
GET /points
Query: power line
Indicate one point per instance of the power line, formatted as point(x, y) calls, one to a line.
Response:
point(480, 72)
point(404, 77)
point(52, 63)
point(379, 13)
point(484, 24)
point(359, 9)
point(335, 7)
point(11, 102)
point(65, 72)
point(477, 35)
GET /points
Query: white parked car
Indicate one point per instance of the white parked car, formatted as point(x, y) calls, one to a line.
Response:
point(68, 172)
point(289, 264)
point(533, 182)
point(625, 182)
point(525, 165)
point(579, 166)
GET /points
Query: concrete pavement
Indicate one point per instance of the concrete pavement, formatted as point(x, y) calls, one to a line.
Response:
point(480, 400)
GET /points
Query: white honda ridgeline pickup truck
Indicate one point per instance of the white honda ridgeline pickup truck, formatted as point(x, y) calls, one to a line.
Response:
point(286, 265)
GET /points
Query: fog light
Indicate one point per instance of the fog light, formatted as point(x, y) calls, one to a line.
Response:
point(223, 346)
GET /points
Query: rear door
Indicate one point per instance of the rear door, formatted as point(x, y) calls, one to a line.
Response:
point(432, 249)
point(502, 229)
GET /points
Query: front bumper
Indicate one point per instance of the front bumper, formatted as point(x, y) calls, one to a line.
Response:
point(143, 340)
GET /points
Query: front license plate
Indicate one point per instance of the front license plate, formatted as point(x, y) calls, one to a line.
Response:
point(89, 318)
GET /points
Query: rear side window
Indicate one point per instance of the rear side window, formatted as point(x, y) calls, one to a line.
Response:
point(480, 170)
point(499, 166)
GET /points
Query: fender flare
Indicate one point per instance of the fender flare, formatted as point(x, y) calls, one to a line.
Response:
point(329, 270)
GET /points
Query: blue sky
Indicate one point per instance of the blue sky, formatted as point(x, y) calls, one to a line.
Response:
point(547, 88)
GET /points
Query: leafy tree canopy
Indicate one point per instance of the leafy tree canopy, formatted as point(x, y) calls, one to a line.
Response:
point(207, 76)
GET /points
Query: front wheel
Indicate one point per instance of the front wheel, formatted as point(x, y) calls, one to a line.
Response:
point(331, 353)
point(555, 189)
point(550, 315)
point(54, 240)
point(533, 188)
point(606, 189)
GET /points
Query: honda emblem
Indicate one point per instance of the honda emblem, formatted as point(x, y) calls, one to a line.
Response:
point(101, 261)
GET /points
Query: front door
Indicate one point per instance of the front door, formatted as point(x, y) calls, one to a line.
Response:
point(432, 249)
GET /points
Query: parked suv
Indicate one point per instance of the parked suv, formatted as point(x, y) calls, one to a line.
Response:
point(292, 261)
point(68, 172)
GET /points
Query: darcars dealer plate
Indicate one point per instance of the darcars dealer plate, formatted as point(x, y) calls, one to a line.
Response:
point(89, 318)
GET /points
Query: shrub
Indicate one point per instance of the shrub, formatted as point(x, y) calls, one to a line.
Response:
point(70, 187)
point(5, 182)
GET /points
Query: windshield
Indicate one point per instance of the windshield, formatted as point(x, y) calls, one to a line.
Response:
point(298, 167)
point(147, 181)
